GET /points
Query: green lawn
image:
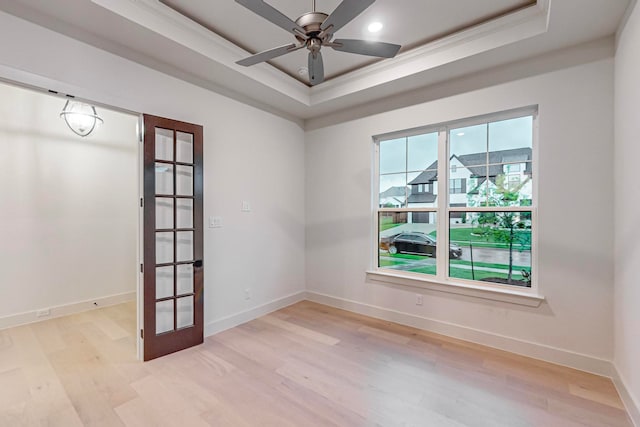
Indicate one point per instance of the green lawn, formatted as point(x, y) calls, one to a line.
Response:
point(387, 226)
point(456, 272)
point(487, 264)
point(462, 236)
point(480, 274)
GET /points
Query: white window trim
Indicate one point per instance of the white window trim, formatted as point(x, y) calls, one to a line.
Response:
point(439, 282)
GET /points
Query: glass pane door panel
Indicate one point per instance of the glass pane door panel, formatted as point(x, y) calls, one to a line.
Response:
point(164, 248)
point(164, 213)
point(184, 147)
point(185, 279)
point(185, 312)
point(184, 246)
point(164, 144)
point(164, 178)
point(164, 282)
point(184, 180)
point(164, 316)
point(184, 213)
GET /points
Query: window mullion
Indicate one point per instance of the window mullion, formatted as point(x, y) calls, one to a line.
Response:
point(442, 202)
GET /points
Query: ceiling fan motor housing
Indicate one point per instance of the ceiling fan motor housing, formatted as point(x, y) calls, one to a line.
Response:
point(311, 23)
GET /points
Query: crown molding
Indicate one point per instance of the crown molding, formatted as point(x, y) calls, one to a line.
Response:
point(161, 19)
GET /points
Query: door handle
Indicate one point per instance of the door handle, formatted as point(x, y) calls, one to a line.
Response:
point(197, 263)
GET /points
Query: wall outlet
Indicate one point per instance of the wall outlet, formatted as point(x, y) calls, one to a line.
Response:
point(43, 313)
point(215, 222)
point(246, 206)
point(419, 299)
point(247, 293)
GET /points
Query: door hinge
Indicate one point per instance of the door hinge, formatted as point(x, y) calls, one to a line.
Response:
point(141, 268)
point(141, 202)
point(142, 333)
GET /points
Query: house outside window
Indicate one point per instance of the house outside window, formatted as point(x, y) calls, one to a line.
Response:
point(475, 224)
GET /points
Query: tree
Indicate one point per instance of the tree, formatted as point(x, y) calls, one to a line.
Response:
point(505, 226)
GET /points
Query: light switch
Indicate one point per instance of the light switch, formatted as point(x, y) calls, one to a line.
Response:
point(246, 206)
point(215, 222)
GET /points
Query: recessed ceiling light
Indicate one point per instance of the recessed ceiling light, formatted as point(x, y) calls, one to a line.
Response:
point(460, 134)
point(303, 71)
point(374, 27)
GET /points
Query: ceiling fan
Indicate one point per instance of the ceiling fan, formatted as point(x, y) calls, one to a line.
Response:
point(314, 30)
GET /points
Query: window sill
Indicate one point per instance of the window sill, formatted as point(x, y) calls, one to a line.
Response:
point(485, 291)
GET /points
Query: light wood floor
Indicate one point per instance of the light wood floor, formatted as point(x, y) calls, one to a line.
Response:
point(306, 365)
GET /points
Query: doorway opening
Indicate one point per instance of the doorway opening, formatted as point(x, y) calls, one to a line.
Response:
point(70, 207)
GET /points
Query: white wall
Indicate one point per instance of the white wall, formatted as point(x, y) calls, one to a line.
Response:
point(627, 207)
point(69, 216)
point(575, 217)
point(248, 155)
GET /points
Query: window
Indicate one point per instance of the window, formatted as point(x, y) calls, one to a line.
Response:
point(457, 186)
point(478, 228)
point(512, 168)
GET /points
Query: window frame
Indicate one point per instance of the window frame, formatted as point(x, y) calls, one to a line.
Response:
point(440, 281)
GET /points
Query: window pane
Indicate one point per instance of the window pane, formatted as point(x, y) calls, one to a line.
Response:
point(393, 190)
point(184, 315)
point(184, 147)
point(422, 152)
point(184, 180)
point(469, 145)
point(184, 213)
point(185, 279)
point(511, 134)
point(494, 247)
point(164, 282)
point(164, 213)
point(184, 246)
point(164, 178)
point(393, 156)
point(407, 241)
point(164, 144)
point(164, 248)
point(164, 316)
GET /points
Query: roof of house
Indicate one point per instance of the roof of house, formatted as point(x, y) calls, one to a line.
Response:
point(422, 198)
point(476, 163)
point(394, 192)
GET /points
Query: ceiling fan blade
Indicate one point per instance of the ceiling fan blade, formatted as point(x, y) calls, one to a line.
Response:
point(271, 14)
point(316, 68)
point(345, 12)
point(268, 54)
point(364, 47)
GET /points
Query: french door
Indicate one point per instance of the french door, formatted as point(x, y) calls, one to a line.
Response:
point(173, 242)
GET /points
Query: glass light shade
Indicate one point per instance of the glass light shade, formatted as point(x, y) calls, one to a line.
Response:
point(81, 118)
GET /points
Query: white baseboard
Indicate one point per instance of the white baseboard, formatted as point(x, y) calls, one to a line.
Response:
point(537, 351)
point(632, 406)
point(229, 322)
point(65, 309)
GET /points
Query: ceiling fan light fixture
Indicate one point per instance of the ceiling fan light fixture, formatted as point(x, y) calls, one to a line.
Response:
point(313, 30)
point(374, 27)
point(81, 118)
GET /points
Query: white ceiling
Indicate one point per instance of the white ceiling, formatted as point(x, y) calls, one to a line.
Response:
point(443, 39)
point(408, 23)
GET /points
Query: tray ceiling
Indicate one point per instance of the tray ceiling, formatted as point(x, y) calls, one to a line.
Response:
point(409, 23)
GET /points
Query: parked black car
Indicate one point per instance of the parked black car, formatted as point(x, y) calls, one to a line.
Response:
point(415, 242)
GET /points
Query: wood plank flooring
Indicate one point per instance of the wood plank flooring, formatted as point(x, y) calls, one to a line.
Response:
point(305, 365)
